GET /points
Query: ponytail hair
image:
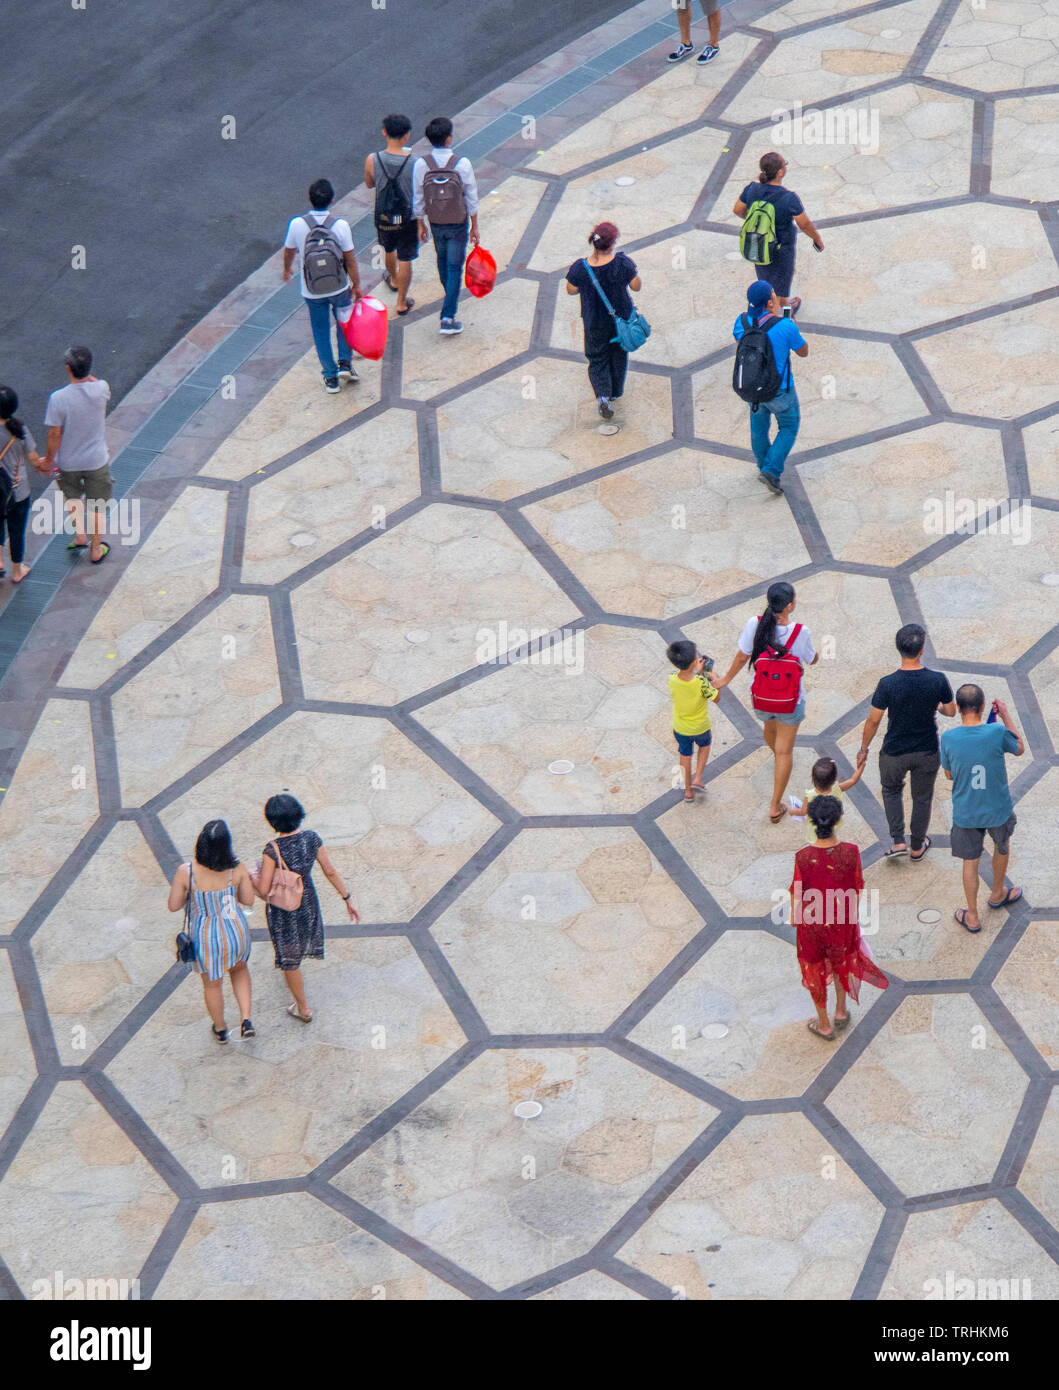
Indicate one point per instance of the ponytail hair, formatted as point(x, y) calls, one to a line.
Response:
point(780, 596)
point(604, 236)
point(770, 164)
point(824, 812)
point(8, 406)
point(824, 774)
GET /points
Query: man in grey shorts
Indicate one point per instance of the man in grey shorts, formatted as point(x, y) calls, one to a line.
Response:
point(77, 442)
point(972, 758)
point(712, 10)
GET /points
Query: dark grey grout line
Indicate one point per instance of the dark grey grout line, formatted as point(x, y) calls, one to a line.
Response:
point(856, 1042)
point(643, 1284)
point(1050, 224)
point(139, 1133)
point(9, 1289)
point(159, 645)
point(352, 544)
point(443, 899)
point(1009, 1031)
point(285, 640)
point(105, 751)
point(674, 1074)
point(738, 80)
point(549, 561)
point(917, 373)
point(549, 1279)
point(665, 981)
point(854, 219)
point(982, 147)
point(854, 1155)
point(454, 766)
point(58, 885)
point(215, 760)
point(1031, 1220)
point(126, 1030)
point(169, 1241)
point(991, 311)
point(429, 450)
point(880, 1257)
point(236, 514)
point(1023, 1132)
point(931, 37)
point(1015, 465)
point(22, 1121)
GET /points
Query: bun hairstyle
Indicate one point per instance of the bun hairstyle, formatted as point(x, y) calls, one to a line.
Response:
point(780, 596)
point(824, 774)
point(604, 236)
point(770, 165)
point(8, 406)
point(824, 812)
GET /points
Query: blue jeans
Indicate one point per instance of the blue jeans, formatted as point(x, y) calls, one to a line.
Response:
point(320, 312)
point(772, 456)
point(450, 244)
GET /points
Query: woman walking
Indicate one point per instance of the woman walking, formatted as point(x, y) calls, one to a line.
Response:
point(775, 642)
point(18, 452)
point(296, 932)
point(825, 913)
point(613, 273)
point(784, 209)
point(219, 887)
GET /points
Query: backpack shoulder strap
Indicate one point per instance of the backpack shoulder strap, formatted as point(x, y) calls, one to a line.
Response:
point(599, 287)
point(430, 160)
point(325, 225)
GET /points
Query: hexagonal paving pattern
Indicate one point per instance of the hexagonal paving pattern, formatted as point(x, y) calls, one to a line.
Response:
point(330, 612)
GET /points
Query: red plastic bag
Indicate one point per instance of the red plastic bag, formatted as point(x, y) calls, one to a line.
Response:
point(480, 275)
point(366, 328)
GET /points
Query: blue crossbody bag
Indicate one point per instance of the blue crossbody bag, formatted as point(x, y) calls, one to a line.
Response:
point(631, 333)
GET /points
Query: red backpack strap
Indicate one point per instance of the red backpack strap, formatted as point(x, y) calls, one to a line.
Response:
point(791, 641)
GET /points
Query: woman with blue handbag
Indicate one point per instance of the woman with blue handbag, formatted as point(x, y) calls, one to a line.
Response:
point(613, 326)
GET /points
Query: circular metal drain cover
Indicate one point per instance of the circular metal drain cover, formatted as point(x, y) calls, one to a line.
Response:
point(714, 1030)
point(928, 916)
point(890, 33)
point(303, 538)
point(624, 180)
point(561, 767)
point(528, 1109)
point(608, 429)
point(417, 635)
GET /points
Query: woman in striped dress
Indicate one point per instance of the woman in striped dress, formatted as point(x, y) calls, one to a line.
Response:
point(217, 884)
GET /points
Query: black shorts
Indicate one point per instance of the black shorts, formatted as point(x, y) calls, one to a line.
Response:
point(968, 843)
point(404, 240)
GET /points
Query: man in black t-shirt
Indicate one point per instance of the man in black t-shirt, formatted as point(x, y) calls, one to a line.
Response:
point(913, 695)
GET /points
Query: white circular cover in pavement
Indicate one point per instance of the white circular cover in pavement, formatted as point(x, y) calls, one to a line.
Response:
point(561, 767)
point(417, 635)
point(928, 916)
point(528, 1109)
point(715, 1030)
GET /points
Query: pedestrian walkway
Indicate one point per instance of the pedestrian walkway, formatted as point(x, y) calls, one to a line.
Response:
point(325, 599)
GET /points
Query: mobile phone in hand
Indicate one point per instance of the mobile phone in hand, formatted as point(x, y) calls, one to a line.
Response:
point(787, 311)
point(992, 716)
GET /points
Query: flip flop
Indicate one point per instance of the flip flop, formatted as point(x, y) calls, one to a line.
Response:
point(1011, 896)
point(410, 304)
point(961, 917)
point(841, 1023)
point(77, 545)
point(776, 819)
point(689, 796)
point(389, 283)
point(796, 304)
point(894, 853)
point(814, 1027)
point(915, 858)
point(106, 551)
point(293, 1011)
point(697, 787)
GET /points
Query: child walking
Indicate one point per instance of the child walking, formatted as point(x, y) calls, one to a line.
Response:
point(826, 783)
point(692, 692)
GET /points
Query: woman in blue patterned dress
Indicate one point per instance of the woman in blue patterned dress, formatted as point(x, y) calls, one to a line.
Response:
point(220, 888)
point(296, 932)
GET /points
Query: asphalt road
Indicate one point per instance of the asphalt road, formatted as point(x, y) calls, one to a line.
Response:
point(112, 120)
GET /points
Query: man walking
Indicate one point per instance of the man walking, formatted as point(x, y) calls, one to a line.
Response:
point(973, 760)
point(768, 384)
point(329, 275)
point(445, 196)
point(913, 696)
point(77, 444)
point(712, 10)
point(390, 173)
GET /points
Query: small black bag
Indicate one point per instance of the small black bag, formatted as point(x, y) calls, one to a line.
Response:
point(185, 947)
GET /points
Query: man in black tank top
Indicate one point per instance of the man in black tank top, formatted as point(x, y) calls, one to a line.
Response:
point(389, 171)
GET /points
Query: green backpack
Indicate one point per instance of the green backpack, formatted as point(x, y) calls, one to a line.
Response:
point(757, 239)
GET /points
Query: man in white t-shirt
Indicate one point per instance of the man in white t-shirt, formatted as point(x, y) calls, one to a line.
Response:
point(780, 730)
point(445, 201)
point(77, 445)
point(329, 278)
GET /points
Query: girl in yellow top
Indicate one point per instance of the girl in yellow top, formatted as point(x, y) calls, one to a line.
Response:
point(692, 690)
point(826, 783)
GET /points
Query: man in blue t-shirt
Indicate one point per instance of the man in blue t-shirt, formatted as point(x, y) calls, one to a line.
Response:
point(972, 758)
point(764, 304)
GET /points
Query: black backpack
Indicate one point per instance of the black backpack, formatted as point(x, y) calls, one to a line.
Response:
point(755, 377)
point(393, 207)
point(323, 264)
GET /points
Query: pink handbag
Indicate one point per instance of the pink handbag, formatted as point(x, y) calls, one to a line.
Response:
point(286, 889)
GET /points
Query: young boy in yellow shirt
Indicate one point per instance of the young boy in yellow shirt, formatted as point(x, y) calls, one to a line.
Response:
point(692, 692)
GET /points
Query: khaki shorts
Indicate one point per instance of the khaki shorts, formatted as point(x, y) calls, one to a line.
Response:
point(708, 6)
point(96, 486)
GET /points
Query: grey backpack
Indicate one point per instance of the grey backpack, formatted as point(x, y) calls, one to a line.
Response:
point(323, 266)
point(443, 196)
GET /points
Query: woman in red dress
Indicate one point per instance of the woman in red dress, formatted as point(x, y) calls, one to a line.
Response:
point(825, 902)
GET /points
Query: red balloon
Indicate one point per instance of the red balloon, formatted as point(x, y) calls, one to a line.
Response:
point(366, 328)
point(480, 275)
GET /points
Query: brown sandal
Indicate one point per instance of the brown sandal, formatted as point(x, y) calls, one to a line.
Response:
point(814, 1027)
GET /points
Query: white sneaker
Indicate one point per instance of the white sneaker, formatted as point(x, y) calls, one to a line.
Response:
point(682, 51)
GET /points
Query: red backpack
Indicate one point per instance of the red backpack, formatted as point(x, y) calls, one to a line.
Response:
point(777, 678)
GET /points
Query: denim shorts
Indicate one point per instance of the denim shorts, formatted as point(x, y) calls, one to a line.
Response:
point(795, 718)
point(686, 741)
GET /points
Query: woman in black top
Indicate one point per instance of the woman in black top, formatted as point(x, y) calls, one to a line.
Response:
point(790, 216)
point(616, 274)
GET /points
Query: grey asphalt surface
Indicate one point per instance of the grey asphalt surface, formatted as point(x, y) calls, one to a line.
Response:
point(112, 121)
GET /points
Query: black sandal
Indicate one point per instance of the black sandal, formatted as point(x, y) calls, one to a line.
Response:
point(222, 1036)
point(246, 1029)
point(106, 551)
point(915, 858)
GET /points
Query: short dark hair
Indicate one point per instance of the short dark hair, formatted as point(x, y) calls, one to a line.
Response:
point(911, 639)
point(213, 848)
point(284, 813)
point(970, 699)
point(681, 654)
point(321, 194)
point(438, 130)
point(395, 126)
point(79, 360)
point(824, 774)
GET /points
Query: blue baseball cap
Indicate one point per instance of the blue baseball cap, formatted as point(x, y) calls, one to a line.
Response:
point(759, 294)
